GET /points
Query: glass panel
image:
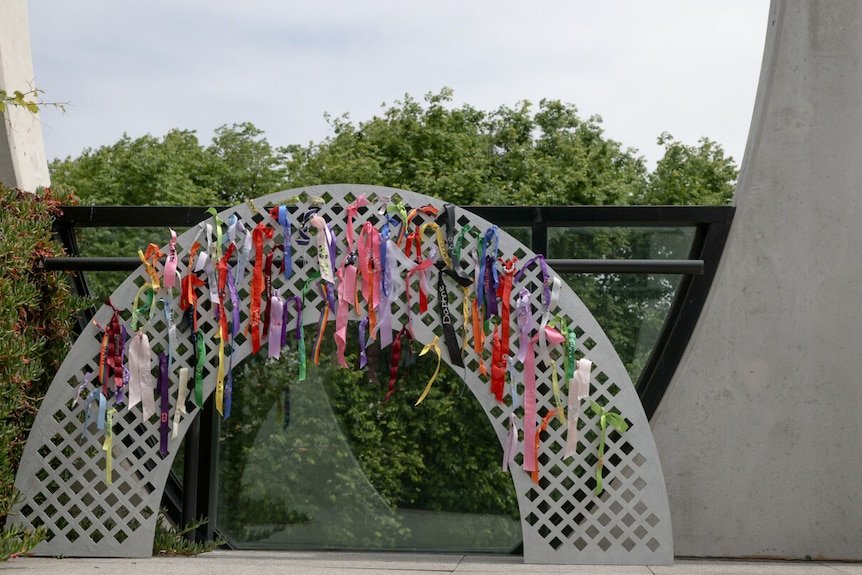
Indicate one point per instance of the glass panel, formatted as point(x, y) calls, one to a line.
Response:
point(631, 308)
point(114, 242)
point(325, 463)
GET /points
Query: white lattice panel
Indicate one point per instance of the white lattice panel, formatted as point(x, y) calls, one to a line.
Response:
point(62, 476)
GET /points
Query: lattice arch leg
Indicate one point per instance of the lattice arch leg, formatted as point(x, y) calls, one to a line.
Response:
point(62, 474)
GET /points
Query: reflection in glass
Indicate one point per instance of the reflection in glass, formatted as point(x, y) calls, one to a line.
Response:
point(631, 308)
point(324, 463)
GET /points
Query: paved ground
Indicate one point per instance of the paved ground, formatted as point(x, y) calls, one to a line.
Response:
point(332, 563)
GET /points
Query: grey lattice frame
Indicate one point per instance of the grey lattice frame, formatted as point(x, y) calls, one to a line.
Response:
point(62, 476)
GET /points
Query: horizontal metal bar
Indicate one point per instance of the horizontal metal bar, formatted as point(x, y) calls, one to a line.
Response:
point(688, 267)
point(685, 267)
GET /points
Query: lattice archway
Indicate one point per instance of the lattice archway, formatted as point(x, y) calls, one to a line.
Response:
point(62, 474)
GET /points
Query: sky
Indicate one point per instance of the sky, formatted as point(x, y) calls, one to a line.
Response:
point(138, 67)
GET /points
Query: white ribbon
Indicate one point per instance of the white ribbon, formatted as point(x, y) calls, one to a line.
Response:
point(141, 382)
point(182, 392)
point(579, 389)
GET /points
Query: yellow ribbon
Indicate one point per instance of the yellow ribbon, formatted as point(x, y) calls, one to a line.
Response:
point(465, 309)
point(428, 347)
point(557, 399)
point(108, 446)
point(220, 374)
point(154, 253)
point(441, 241)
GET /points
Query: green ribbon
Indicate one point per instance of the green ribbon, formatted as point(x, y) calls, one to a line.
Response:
point(619, 423)
point(301, 343)
point(201, 348)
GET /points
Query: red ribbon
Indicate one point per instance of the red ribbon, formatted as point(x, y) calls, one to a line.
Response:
point(500, 351)
point(260, 233)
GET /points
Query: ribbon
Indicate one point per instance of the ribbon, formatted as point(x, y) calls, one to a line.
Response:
point(346, 291)
point(84, 383)
point(478, 337)
point(166, 405)
point(510, 446)
point(112, 354)
point(326, 292)
point(140, 375)
point(325, 248)
point(579, 389)
point(244, 253)
point(188, 288)
point(287, 261)
point(555, 385)
point(419, 268)
point(526, 325)
point(100, 418)
point(486, 289)
point(276, 321)
point(500, 350)
point(108, 446)
point(201, 361)
point(396, 358)
point(300, 338)
point(513, 387)
point(530, 430)
point(182, 393)
point(619, 423)
point(428, 347)
point(550, 296)
point(147, 307)
point(171, 263)
point(449, 336)
point(363, 357)
point(369, 267)
point(260, 233)
point(534, 475)
point(401, 210)
point(149, 260)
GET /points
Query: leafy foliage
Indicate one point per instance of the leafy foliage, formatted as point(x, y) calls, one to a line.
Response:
point(170, 540)
point(36, 313)
point(29, 100)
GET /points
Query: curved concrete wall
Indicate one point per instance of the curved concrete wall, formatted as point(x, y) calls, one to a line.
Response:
point(759, 433)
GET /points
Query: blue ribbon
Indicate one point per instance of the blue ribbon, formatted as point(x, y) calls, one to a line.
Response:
point(286, 231)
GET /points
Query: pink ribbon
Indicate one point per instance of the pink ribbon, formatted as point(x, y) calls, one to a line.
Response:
point(553, 337)
point(170, 276)
point(346, 291)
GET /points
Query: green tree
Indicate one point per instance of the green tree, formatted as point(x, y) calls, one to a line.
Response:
point(467, 156)
point(691, 175)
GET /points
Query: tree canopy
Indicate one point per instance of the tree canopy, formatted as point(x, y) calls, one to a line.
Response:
point(522, 155)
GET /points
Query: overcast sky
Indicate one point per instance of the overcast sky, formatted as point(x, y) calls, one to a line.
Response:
point(687, 67)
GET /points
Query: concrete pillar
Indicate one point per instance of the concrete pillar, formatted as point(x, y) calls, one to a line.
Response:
point(759, 432)
point(23, 163)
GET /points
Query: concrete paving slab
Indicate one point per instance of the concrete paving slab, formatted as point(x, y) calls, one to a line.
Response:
point(339, 563)
point(728, 567)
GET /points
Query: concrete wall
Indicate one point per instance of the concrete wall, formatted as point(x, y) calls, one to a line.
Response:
point(759, 432)
point(23, 163)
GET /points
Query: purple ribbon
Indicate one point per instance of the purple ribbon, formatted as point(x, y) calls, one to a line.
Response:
point(166, 405)
point(363, 359)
